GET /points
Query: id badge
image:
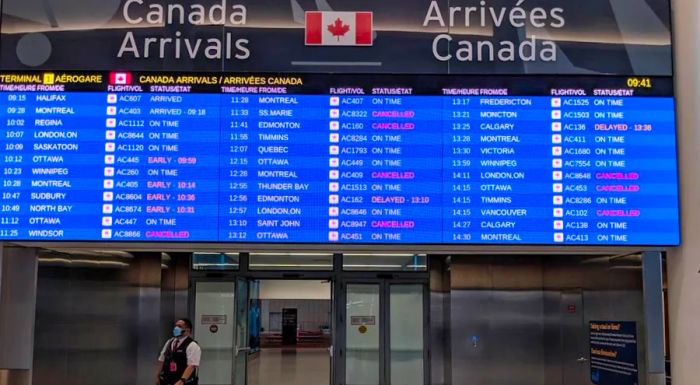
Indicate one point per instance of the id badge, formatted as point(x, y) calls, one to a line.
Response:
point(173, 367)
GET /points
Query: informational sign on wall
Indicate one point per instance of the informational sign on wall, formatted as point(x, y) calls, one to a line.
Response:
point(363, 320)
point(613, 352)
point(214, 319)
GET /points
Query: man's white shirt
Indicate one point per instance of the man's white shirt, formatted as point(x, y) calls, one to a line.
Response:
point(194, 352)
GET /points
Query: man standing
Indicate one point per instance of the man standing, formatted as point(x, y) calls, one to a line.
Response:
point(180, 357)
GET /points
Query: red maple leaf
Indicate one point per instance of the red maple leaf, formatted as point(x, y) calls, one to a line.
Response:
point(338, 28)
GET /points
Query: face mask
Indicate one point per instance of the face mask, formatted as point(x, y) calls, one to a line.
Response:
point(177, 331)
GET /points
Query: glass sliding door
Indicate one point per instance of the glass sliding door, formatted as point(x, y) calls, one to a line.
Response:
point(406, 334)
point(229, 315)
point(214, 331)
point(384, 333)
point(362, 335)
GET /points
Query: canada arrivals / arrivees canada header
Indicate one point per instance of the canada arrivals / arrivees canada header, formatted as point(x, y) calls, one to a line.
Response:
point(444, 47)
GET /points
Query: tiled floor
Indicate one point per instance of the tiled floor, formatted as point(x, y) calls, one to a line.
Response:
point(305, 366)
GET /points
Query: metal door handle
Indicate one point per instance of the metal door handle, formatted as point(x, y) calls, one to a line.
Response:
point(245, 349)
point(582, 360)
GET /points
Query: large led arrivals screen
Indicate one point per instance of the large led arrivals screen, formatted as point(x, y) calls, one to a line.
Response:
point(364, 122)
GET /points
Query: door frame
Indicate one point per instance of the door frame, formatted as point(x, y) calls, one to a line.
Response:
point(385, 281)
point(191, 308)
point(338, 279)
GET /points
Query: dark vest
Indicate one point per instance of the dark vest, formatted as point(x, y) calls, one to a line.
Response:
point(175, 364)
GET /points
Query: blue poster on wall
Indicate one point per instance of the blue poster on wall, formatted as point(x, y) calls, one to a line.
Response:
point(613, 350)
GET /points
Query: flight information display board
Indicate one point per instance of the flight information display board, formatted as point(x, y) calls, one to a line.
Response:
point(323, 158)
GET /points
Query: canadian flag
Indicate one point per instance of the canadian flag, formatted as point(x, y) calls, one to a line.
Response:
point(120, 78)
point(339, 28)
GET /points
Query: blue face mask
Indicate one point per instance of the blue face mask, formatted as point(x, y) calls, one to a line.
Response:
point(177, 331)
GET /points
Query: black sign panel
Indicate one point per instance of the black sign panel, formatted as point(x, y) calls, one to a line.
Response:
point(613, 347)
point(289, 326)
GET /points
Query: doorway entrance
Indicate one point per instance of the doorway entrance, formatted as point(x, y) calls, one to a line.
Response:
point(264, 331)
point(384, 333)
point(340, 327)
point(289, 332)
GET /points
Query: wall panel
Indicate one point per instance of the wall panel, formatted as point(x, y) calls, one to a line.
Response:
point(524, 320)
point(97, 319)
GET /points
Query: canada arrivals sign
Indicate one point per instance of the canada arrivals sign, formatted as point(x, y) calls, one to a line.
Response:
point(398, 36)
point(529, 49)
